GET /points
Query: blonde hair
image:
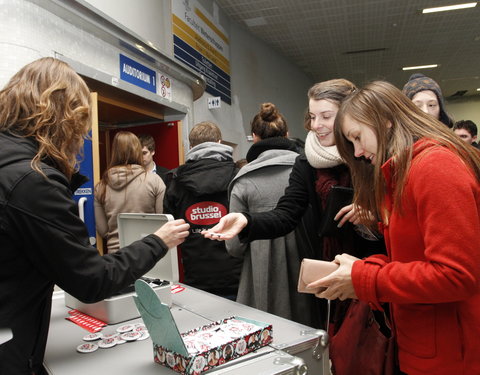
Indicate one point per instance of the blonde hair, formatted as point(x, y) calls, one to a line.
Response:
point(397, 124)
point(269, 122)
point(334, 90)
point(205, 131)
point(126, 151)
point(48, 101)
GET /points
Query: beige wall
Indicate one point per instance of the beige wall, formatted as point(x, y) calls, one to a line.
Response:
point(465, 109)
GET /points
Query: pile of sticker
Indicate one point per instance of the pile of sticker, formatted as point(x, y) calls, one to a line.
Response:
point(123, 334)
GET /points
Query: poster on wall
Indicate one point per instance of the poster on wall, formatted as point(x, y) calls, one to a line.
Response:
point(203, 45)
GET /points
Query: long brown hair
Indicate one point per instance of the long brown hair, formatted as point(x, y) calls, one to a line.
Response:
point(126, 151)
point(378, 105)
point(48, 101)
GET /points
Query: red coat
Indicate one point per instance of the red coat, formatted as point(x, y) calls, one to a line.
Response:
point(431, 276)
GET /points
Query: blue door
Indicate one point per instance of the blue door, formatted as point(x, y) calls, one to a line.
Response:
point(84, 194)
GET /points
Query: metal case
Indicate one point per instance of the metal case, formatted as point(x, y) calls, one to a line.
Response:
point(133, 227)
point(118, 308)
point(296, 339)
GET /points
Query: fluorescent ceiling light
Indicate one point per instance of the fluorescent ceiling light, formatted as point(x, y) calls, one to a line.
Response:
point(449, 7)
point(257, 21)
point(419, 67)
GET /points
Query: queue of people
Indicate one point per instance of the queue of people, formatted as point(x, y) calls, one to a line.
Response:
point(405, 244)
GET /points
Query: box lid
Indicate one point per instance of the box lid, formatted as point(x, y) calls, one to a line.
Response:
point(134, 226)
point(158, 319)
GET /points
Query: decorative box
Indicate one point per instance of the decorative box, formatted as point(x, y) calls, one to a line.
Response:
point(200, 349)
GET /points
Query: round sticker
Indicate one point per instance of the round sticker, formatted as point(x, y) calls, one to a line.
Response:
point(140, 329)
point(120, 340)
point(143, 335)
point(93, 336)
point(107, 343)
point(130, 336)
point(110, 335)
point(87, 348)
point(125, 328)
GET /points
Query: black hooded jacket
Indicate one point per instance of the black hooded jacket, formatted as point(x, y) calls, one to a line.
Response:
point(43, 242)
point(197, 192)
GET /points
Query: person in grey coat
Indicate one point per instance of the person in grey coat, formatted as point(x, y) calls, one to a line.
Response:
point(270, 268)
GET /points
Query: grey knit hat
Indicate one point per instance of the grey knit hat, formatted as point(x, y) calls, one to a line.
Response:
point(419, 82)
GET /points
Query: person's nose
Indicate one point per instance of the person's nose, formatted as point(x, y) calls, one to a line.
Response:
point(358, 151)
point(424, 107)
point(316, 123)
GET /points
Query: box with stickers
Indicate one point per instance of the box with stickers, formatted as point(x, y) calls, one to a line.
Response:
point(200, 349)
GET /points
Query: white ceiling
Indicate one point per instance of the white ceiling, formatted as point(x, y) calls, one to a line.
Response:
point(324, 37)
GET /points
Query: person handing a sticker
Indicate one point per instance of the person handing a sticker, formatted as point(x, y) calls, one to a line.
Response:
point(44, 118)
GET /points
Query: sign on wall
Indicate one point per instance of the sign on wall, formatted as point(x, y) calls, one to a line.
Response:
point(202, 45)
point(137, 74)
point(144, 77)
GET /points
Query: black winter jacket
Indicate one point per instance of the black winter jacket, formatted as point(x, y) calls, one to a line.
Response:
point(43, 242)
point(197, 193)
point(300, 209)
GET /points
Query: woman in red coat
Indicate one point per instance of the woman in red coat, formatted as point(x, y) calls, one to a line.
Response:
point(423, 184)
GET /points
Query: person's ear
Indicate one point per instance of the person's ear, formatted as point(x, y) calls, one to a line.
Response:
point(474, 138)
point(389, 125)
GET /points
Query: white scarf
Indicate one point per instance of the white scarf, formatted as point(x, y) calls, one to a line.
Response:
point(319, 156)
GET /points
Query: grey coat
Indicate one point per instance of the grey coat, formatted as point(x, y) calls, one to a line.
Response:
point(270, 269)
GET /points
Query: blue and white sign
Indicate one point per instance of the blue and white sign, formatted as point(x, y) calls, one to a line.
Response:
point(138, 74)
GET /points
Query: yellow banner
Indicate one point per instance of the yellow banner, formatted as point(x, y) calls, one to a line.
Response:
point(211, 25)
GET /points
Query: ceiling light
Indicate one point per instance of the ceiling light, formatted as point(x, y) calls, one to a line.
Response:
point(420, 67)
point(478, 89)
point(449, 7)
point(258, 21)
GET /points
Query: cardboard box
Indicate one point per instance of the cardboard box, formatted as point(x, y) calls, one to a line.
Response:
point(201, 349)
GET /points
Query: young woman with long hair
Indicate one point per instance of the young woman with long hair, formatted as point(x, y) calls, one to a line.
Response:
point(125, 187)
point(44, 117)
point(423, 183)
point(310, 182)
